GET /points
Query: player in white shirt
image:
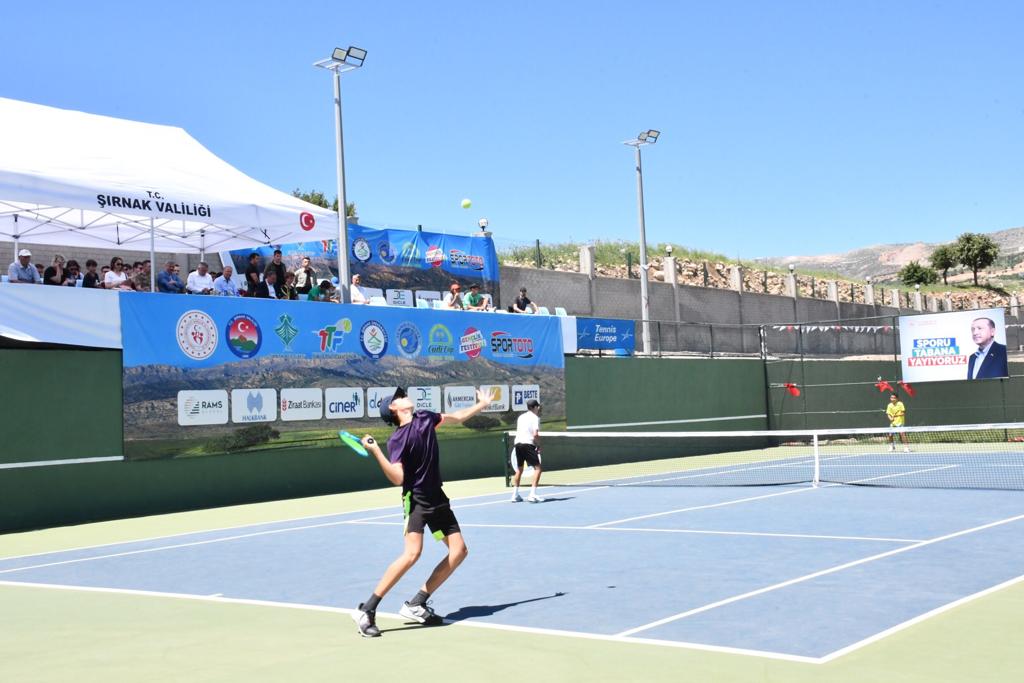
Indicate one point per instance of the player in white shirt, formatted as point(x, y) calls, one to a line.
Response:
point(527, 450)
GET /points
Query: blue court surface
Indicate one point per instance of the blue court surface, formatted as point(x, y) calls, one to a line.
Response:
point(791, 572)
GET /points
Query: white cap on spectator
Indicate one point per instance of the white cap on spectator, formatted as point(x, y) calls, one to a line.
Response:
point(24, 252)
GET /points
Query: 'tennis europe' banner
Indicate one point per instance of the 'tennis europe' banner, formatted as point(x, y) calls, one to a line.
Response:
point(209, 375)
point(393, 259)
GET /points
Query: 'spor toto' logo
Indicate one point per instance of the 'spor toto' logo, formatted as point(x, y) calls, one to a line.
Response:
point(307, 221)
point(197, 335)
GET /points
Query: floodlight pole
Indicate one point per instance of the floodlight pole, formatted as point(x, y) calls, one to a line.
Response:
point(337, 63)
point(646, 138)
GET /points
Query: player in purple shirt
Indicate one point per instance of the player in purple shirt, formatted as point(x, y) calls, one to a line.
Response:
point(412, 461)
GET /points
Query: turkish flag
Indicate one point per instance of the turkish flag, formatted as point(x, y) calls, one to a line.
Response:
point(793, 389)
point(884, 386)
point(909, 389)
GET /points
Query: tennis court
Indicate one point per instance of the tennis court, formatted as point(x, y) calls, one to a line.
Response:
point(746, 577)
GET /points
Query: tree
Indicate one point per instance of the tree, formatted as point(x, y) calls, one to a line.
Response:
point(915, 274)
point(944, 258)
point(320, 199)
point(975, 251)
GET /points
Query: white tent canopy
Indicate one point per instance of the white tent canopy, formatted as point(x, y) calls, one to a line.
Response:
point(69, 178)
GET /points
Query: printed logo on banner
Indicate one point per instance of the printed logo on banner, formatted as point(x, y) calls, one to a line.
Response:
point(253, 405)
point(373, 339)
point(471, 342)
point(410, 252)
point(386, 253)
point(435, 256)
point(302, 404)
point(197, 335)
point(332, 336)
point(409, 342)
point(307, 221)
point(374, 396)
point(440, 343)
point(426, 398)
point(505, 345)
point(286, 331)
point(521, 393)
point(342, 403)
point(361, 250)
point(202, 407)
point(500, 403)
point(462, 260)
point(244, 336)
point(456, 398)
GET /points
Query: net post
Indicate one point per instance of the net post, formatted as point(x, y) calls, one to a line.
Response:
point(504, 458)
point(817, 462)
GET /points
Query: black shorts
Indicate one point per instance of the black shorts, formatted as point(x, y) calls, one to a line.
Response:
point(421, 511)
point(525, 453)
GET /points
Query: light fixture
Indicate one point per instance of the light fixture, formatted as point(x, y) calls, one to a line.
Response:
point(668, 249)
point(352, 56)
point(483, 224)
point(868, 279)
point(791, 267)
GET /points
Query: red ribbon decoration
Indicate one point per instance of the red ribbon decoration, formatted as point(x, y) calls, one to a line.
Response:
point(909, 389)
point(884, 386)
point(793, 389)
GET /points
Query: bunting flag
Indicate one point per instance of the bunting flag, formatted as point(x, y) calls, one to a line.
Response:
point(909, 389)
point(862, 329)
point(884, 386)
point(793, 389)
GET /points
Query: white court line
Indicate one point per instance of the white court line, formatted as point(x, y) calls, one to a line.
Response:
point(709, 532)
point(814, 575)
point(702, 507)
point(671, 422)
point(51, 463)
point(462, 623)
point(918, 619)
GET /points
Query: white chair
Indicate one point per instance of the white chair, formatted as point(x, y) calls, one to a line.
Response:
point(422, 303)
point(561, 311)
point(378, 301)
point(438, 304)
point(543, 310)
point(489, 301)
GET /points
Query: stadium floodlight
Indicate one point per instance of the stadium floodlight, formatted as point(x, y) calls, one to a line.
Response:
point(668, 249)
point(483, 223)
point(648, 137)
point(340, 61)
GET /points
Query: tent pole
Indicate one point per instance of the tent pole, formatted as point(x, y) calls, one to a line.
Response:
point(16, 237)
point(202, 244)
point(152, 254)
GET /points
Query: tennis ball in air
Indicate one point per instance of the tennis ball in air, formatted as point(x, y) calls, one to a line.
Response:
point(466, 203)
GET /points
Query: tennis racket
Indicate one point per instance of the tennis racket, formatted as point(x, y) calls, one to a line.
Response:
point(353, 442)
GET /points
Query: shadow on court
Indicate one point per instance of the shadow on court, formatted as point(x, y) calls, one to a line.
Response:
point(471, 611)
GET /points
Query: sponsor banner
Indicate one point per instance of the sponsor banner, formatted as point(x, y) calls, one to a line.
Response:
point(374, 397)
point(605, 334)
point(344, 403)
point(500, 404)
point(400, 259)
point(400, 297)
point(331, 352)
point(426, 398)
point(253, 405)
point(521, 393)
point(301, 404)
point(952, 346)
point(209, 407)
point(457, 398)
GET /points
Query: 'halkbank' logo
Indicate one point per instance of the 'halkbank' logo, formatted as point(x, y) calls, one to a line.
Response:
point(361, 250)
point(409, 342)
point(504, 344)
point(440, 343)
point(197, 335)
point(244, 336)
point(373, 339)
point(471, 342)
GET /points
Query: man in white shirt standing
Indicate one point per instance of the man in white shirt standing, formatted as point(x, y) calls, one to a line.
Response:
point(527, 450)
point(200, 281)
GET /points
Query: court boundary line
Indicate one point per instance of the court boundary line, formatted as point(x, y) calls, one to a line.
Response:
point(581, 635)
point(813, 575)
point(670, 422)
point(68, 461)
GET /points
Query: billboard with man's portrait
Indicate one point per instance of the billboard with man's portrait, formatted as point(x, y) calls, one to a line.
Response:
point(950, 346)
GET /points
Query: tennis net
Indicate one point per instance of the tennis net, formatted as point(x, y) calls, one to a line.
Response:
point(979, 456)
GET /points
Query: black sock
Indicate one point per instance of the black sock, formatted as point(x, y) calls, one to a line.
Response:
point(420, 598)
point(371, 604)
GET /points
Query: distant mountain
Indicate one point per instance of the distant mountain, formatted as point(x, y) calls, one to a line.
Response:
point(883, 261)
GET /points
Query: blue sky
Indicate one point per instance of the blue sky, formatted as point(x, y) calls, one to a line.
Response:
point(787, 127)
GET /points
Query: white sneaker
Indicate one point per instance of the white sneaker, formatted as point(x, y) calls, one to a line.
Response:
point(516, 498)
point(906, 449)
point(891, 448)
point(533, 498)
point(422, 614)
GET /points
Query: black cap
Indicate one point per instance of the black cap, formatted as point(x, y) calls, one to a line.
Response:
point(386, 413)
point(474, 286)
point(532, 403)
